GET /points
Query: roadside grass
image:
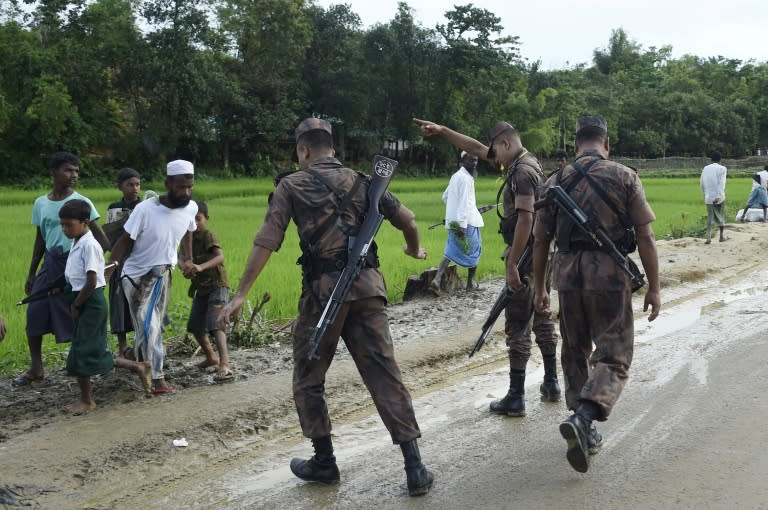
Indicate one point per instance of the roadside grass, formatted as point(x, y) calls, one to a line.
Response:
point(237, 209)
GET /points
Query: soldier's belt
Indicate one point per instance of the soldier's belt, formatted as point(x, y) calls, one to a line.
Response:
point(318, 267)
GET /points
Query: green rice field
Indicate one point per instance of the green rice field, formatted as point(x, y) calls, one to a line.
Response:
point(237, 208)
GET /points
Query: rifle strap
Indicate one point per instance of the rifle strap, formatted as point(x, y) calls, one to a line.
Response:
point(344, 199)
point(623, 218)
point(510, 173)
point(565, 227)
point(564, 234)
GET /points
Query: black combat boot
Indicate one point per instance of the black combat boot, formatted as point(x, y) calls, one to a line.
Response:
point(321, 467)
point(582, 437)
point(549, 389)
point(419, 478)
point(594, 440)
point(513, 404)
point(575, 431)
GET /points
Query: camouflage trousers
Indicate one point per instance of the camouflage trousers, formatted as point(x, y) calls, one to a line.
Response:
point(605, 318)
point(520, 320)
point(364, 327)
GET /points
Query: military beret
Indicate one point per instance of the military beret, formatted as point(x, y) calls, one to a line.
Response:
point(310, 124)
point(592, 123)
point(498, 129)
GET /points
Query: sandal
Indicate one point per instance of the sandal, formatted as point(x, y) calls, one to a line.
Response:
point(25, 380)
point(224, 376)
point(128, 353)
point(163, 390)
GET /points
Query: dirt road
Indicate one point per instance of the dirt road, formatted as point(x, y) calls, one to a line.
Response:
point(688, 431)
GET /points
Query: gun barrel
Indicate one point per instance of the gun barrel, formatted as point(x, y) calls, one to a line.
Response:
point(499, 305)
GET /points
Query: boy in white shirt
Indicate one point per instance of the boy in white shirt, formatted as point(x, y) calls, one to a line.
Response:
point(84, 273)
point(51, 247)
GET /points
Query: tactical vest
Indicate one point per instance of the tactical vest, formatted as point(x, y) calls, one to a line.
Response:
point(312, 263)
point(627, 244)
point(507, 224)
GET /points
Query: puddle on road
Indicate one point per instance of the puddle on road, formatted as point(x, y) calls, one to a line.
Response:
point(707, 298)
point(680, 337)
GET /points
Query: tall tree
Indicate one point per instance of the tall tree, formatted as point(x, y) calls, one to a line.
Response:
point(174, 122)
point(269, 39)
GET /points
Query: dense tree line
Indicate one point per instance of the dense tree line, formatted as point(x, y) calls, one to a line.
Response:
point(223, 82)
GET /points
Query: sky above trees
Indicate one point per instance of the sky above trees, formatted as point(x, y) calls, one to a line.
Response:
point(224, 82)
point(566, 32)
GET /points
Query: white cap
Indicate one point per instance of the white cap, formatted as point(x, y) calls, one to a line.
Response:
point(180, 167)
point(463, 153)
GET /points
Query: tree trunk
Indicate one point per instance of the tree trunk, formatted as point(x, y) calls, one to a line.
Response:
point(417, 286)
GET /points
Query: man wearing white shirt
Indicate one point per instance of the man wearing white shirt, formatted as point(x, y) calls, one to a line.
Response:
point(152, 236)
point(463, 221)
point(713, 187)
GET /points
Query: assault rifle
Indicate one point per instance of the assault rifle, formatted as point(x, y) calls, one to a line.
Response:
point(383, 170)
point(502, 301)
point(57, 284)
point(481, 210)
point(557, 195)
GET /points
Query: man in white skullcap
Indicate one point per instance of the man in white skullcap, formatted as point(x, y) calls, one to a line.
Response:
point(463, 221)
point(151, 241)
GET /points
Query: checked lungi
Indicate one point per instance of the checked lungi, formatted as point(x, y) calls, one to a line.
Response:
point(148, 300)
point(455, 252)
point(50, 315)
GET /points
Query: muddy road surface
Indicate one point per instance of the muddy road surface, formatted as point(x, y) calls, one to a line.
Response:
point(688, 432)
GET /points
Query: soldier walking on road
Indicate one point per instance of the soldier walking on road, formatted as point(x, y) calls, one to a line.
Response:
point(594, 293)
point(326, 200)
point(522, 179)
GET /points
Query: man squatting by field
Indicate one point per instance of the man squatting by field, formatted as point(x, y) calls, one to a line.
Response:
point(325, 221)
point(595, 295)
point(52, 247)
point(152, 236)
point(522, 178)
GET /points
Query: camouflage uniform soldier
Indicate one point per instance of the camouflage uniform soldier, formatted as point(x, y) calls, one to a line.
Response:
point(594, 294)
point(523, 178)
point(326, 200)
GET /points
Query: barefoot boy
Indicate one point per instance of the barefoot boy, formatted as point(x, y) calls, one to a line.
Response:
point(84, 272)
point(209, 289)
point(52, 247)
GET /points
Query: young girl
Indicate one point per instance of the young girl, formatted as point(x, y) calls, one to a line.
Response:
point(89, 354)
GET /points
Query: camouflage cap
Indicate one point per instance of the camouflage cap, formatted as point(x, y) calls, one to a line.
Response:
point(498, 129)
point(591, 123)
point(310, 124)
